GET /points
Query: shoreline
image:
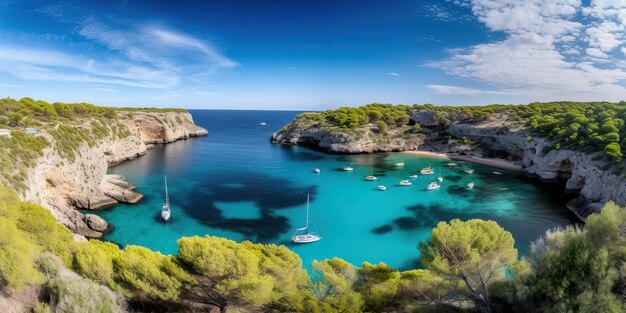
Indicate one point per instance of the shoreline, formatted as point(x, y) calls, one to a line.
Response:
point(495, 163)
point(427, 153)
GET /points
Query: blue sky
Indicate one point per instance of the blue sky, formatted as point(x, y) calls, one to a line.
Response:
point(301, 54)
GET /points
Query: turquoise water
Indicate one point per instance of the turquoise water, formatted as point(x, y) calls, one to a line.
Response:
point(235, 184)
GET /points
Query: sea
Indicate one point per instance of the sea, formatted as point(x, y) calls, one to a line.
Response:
point(234, 183)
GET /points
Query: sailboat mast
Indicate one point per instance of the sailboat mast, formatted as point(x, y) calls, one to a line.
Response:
point(307, 214)
point(167, 198)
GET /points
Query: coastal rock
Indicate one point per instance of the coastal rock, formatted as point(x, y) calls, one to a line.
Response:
point(96, 223)
point(588, 174)
point(364, 140)
point(63, 185)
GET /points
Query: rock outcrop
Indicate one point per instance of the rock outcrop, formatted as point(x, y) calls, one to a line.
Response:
point(64, 185)
point(589, 174)
point(363, 140)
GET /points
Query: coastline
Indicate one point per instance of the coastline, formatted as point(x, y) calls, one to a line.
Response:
point(495, 163)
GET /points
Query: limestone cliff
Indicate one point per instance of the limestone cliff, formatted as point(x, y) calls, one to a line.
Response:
point(363, 140)
point(596, 179)
point(63, 185)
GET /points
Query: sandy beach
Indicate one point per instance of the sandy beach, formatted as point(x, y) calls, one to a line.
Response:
point(495, 163)
point(427, 153)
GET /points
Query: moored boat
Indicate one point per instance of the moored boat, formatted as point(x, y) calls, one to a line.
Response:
point(405, 183)
point(381, 187)
point(433, 186)
point(303, 235)
point(370, 178)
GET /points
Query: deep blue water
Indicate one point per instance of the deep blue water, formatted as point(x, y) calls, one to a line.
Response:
point(233, 183)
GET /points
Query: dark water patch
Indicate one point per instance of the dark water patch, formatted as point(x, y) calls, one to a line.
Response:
point(244, 187)
point(382, 229)
point(407, 223)
point(459, 191)
point(411, 264)
point(454, 178)
point(294, 153)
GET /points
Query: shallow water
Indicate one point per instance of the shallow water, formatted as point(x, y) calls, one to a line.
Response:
point(233, 183)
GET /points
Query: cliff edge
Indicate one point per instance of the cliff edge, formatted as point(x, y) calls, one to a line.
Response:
point(63, 184)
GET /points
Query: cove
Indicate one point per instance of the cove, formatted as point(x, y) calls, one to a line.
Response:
point(234, 183)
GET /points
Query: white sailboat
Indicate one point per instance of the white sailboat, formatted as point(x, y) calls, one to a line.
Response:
point(348, 169)
point(166, 213)
point(316, 171)
point(405, 183)
point(470, 170)
point(427, 170)
point(470, 185)
point(440, 178)
point(371, 177)
point(262, 123)
point(381, 187)
point(413, 176)
point(399, 164)
point(303, 235)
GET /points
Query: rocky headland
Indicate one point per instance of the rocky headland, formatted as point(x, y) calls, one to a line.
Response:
point(64, 185)
point(595, 179)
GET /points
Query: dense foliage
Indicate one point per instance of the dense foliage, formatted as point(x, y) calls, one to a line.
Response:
point(349, 118)
point(465, 264)
point(586, 126)
point(69, 125)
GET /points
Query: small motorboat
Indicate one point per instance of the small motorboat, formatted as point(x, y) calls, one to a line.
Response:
point(470, 185)
point(433, 186)
point(399, 164)
point(381, 187)
point(452, 164)
point(262, 123)
point(370, 178)
point(348, 169)
point(497, 173)
point(413, 176)
point(317, 171)
point(405, 183)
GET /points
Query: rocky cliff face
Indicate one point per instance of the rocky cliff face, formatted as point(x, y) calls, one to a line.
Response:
point(63, 186)
point(593, 177)
point(586, 173)
point(363, 140)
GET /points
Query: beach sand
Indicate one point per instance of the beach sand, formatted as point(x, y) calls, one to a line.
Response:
point(495, 163)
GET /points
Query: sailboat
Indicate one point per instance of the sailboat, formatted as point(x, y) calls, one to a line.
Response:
point(470, 185)
point(166, 213)
point(399, 164)
point(347, 169)
point(303, 235)
point(317, 171)
point(470, 170)
point(440, 178)
point(427, 170)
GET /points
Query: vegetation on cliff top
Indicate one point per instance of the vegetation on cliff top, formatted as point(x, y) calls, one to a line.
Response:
point(69, 125)
point(464, 269)
point(586, 126)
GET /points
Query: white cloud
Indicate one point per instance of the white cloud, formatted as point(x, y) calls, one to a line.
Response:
point(454, 90)
point(537, 57)
point(393, 74)
point(137, 56)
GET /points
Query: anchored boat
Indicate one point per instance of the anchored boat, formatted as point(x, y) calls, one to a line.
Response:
point(166, 213)
point(303, 235)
